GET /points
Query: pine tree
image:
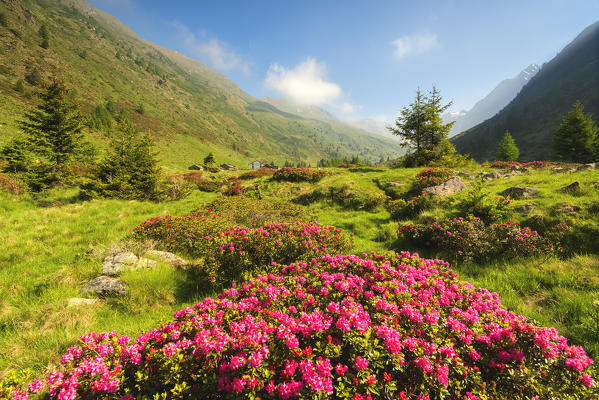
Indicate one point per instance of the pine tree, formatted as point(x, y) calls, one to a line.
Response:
point(130, 169)
point(209, 159)
point(53, 129)
point(576, 139)
point(421, 127)
point(507, 149)
point(410, 123)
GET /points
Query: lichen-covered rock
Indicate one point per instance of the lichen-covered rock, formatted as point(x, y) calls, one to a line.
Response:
point(168, 258)
point(106, 286)
point(448, 188)
point(114, 265)
point(518, 192)
point(573, 187)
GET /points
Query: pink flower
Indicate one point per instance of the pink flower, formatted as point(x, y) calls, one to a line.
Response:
point(360, 363)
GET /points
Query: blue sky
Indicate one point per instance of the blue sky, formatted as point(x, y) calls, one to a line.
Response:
point(361, 59)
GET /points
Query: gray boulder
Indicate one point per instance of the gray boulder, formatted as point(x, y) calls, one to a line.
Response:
point(169, 258)
point(573, 187)
point(448, 188)
point(524, 208)
point(518, 192)
point(105, 286)
point(589, 166)
point(124, 261)
point(492, 175)
point(568, 208)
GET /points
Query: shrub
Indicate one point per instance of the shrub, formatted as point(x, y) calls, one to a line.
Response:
point(241, 210)
point(339, 327)
point(299, 174)
point(472, 239)
point(431, 177)
point(257, 173)
point(407, 209)
point(194, 177)
point(476, 203)
point(353, 199)
point(234, 189)
point(11, 185)
point(210, 186)
point(174, 188)
point(230, 252)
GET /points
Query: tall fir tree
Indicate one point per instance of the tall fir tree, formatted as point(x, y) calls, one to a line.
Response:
point(209, 159)
point(507, 149)
point(54, 128)
point(576, 139)
point(421, 127)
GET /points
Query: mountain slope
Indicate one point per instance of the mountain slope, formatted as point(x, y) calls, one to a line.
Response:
point(536, 113)
point(189, 108)
point(498, 98)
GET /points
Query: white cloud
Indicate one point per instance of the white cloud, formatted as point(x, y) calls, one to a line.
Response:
point(304, 84)
point(349, 108)
point(414, 44)
point(213, 51)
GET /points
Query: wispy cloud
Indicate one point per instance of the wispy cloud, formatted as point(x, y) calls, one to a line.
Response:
point(414, 44)
point(213, 51)
point(304, 84)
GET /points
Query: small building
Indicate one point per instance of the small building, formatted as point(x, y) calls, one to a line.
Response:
point(271, 166)
point(195, 167)
point(255, 165)
point(228, 167)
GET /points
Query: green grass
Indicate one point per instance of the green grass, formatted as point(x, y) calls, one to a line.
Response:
point(53, 244)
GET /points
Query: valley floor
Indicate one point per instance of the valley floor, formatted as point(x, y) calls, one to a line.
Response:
point(50, 246)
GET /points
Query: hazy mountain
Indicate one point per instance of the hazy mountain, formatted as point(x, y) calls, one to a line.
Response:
point(189, 108)
point(536, 112)
point(494, 102)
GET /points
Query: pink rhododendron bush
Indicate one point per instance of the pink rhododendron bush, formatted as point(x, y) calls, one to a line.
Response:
point(344, 327)
point(299, 174)
point(229, 252)
point(431, 177)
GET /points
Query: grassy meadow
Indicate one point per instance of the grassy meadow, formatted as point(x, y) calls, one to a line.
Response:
point(52, 244)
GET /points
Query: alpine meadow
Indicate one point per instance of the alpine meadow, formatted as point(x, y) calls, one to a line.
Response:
point(347, 231)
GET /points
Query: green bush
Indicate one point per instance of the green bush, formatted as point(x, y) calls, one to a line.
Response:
point(477, 203)
point(210, 185)
point(257, 173)
point(408, 209)
point(431, 177)
point(299, 174)
point(245, 211)
point(353, 199)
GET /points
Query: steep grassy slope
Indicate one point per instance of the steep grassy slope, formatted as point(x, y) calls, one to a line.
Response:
point(536, 113)
point(189, 108)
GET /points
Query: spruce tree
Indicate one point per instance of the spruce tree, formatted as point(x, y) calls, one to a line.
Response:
point(130, 169)
point(421, 127)
point(507, 149)
point(576, 139)
point(53, 128)
point(209, 159)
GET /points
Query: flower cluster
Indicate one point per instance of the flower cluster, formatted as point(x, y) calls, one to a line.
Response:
point(431, 177)
point(230, 252)
point(194, 177)
point(516, 164)
point(257, 173)
point(234, 189)
point(11, 185)
point(344, 327)
point(471, 238)
point(299, 174)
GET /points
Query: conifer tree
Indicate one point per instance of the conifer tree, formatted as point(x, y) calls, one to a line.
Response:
point(576, 139)
point(209, 159)
point(507, 149)
point(53, 128)
point(130, 169)
point(421, 127)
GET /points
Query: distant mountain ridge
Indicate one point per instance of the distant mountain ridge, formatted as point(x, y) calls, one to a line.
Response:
point(189, 108)
point(536, 112)
point(491, 104)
